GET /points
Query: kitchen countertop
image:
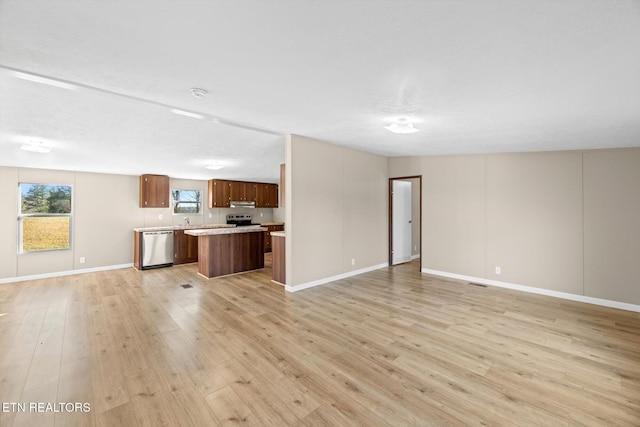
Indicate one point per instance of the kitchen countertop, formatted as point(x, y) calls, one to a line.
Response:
point(278, 234)
point(184, 227)
point(215, 231)
point(267, 223)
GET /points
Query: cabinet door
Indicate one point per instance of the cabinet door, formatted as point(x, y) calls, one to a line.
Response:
point(267, 241)
point(219, 193)
point(243, 191)
point(268, 245)
point(250, 191)
point(236, 190)
point(185, 247)
point(154, 191)
point(282, 184)
point(267, 196)
point(262, 196)
point(137, 250)
point(273, 196)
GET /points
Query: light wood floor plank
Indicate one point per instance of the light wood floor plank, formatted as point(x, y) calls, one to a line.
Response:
point(387, 348)
point(229, 409)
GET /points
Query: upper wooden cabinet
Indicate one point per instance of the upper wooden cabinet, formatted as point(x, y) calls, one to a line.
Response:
point(222, 192)
point(243, 191)
point(154, 191)
point(219, 193)
point(273, 195)
point(266, 195)
point(283, 176)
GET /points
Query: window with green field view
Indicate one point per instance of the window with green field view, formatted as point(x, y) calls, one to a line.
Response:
point(45, 217)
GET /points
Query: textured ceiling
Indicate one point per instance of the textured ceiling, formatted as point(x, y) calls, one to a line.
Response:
point(473, 76)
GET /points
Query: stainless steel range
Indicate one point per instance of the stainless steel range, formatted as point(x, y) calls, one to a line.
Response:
point(240, 220)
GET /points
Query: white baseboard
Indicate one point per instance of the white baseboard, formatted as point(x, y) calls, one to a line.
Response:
point(530, 289)
point(63, 273)
point(416, 256)
point(319, 282)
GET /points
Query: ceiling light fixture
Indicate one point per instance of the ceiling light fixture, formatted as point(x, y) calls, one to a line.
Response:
point(187, 114)
point(198, 93)
point(35, 147)
point(401, 126)
point(44, 80)
point(215, 166)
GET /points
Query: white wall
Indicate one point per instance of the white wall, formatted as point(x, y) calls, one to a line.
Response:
point(559, 221)
point(105, 209)
point(336, 210)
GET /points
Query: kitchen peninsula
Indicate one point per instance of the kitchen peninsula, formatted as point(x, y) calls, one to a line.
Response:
point(224, 251)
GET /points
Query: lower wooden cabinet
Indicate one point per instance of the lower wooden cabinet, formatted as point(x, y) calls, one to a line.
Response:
point(279, 273)
point(185, 248)
point(268, 247)
point(137, 250)
point(222, 254)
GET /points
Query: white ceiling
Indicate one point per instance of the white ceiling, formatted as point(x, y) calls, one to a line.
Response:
point(473, 76)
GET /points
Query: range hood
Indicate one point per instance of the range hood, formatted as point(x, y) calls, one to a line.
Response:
point(242, 204)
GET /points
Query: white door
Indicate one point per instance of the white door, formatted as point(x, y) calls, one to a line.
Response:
point(401, 231)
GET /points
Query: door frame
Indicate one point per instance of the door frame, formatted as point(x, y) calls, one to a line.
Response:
point(403, 178)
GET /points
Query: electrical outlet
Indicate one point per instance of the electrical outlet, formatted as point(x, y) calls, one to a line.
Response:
point(498, 270)
point(82, 260)
point(261, 214)
point(210, 216)
point(353, 261)
point(159, 216)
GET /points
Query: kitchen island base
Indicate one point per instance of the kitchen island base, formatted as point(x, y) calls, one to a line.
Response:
point(224, 254)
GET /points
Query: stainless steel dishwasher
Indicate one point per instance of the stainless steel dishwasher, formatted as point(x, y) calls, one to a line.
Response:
point(157, 249)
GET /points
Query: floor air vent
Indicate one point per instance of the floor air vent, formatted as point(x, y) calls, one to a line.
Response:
point(478, 284)
point(186, 286)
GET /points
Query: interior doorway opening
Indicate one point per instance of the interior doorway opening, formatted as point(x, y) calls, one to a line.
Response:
point(405, 220)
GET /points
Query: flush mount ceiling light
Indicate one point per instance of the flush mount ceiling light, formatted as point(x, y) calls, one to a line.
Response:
point(215, 166)
point(401, 126)
point(187, 114)
point(35, 147)
point(198, 93)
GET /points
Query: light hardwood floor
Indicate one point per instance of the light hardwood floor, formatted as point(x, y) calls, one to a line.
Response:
point(387, 348)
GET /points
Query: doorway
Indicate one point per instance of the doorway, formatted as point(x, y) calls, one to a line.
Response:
point(405, 225)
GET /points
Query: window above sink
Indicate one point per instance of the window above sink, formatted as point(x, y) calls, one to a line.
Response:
point(186, 202)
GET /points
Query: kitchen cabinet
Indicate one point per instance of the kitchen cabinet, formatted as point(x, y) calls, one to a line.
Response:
point(273, 196)
point(243, 191)
point(223, 192)
point(137, 250)
point(279, 271)
point(283, 176)
point(185, 248)
point(154, 191)
point(219, 193)
point(220, 254)
point(266, 195)
point(267, 235)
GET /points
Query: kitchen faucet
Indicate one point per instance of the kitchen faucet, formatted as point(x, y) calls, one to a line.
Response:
point(187, 220)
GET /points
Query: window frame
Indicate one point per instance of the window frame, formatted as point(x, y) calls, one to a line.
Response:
point(21, 216)
point(175, 202)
